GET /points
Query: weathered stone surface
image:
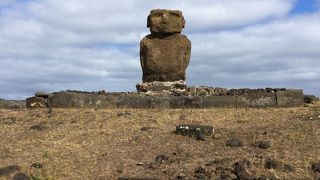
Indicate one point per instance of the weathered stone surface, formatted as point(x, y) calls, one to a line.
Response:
point(83, 100)
point(164, 57)
point(257, 99)
point(234, 142)
point(178, 102)
point(162, 87)
point(165, 53)
point(310, 99)
point(194, 130)
point(219, 102)
point(136, 102)
point(316, 167)
point(206, 91)
point(37, 102)
point(165, 21)
point(290, 98)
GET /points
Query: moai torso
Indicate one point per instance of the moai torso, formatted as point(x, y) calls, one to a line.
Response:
point(165, 53)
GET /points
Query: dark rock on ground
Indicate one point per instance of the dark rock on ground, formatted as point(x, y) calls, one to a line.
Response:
point(271, 164)
point(194, 130)
point(240, 170)
point(146, 128)
point(235, 142)
point(201, 173)
point(4, 171)
point(316, 167)
point(201, 137)
point(38, 127)
point(37, 165)
point(20, 176)
point(161, 158)
point(264, 144)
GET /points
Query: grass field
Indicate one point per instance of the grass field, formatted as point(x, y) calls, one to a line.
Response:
point(113, 143)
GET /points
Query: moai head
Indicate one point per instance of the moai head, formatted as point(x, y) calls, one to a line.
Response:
point(165, 21)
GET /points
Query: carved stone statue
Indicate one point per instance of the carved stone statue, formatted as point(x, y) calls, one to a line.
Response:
point(165, 53)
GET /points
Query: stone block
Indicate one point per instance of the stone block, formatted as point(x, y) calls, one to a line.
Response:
point(178, 102)
point(83, 100)
point(161, 102)
point(135, 102)
point(194, 130)
point(290, 98)
point(219, 102)
point(257, 99)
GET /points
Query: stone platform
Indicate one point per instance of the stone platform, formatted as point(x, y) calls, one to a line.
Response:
point(203, 97)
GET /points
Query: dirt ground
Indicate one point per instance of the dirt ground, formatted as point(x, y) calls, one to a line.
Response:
point(113, 143)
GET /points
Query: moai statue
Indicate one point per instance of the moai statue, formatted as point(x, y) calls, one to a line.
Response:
point(165, 53)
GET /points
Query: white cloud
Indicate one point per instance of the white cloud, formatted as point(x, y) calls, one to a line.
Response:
point(91, 45)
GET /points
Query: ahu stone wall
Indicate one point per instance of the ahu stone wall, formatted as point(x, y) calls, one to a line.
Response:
point(204, 97)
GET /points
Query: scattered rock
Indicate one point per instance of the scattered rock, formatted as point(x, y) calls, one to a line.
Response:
point(20, 176)
point(201, 173)
point(9, 169)
point(235, 142)
point(161, 159)
point(145, 128)
point(201, 137)
point(38, 127)
point(194, 130)
point(37, 165)
point(271, 164)
point(264, 144)
point(316, 167)
point(240, 170)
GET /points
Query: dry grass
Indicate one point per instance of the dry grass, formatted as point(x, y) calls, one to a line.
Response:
point(109, 143)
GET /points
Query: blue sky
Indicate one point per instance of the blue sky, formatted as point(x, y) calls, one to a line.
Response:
point(50, 45)
point(305, 6)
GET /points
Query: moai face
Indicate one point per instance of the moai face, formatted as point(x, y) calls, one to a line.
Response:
point(165, 21)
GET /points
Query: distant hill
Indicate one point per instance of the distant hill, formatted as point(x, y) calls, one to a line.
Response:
point(12, 104)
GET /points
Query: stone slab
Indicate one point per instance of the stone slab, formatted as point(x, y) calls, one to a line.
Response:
point(257, 99)
point(290, 98)
point(80, 100)
point(194, 130)
point(219, 102)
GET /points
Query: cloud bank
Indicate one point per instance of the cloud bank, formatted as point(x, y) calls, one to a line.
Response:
point(52, 45)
